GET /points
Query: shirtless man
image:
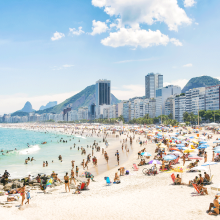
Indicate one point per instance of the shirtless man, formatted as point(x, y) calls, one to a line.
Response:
point(72, 177)
point(73, 163)
point(207, 177)
point(215, 204)
point(122, 171)
point(202, 188)
point(66, 181)
point(163, 165)
point(205, 157)
point(22, 192)
point(116, 177)
point(83, 164)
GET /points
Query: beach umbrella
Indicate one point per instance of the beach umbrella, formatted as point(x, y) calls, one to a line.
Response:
point(203, 142)
point(169, 157)
point(196, 158)
point(202, 147)
point(176, 153)
point(174, 148)
point(217, 151)
point(200, 168)
point(218, 141)
point(154, 162)
point(188, 150)
point(180, 145)
point(192, 155)
point(209, 164)
point(146, 154)
point(182, 148)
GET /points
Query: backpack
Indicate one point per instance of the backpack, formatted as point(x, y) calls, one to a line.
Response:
point(127, 172)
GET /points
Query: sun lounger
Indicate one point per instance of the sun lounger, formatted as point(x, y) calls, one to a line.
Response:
point(173, 177)
point(197, 189)
point(108, 182)
point(135, 167)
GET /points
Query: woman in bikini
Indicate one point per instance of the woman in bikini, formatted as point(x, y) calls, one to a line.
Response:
point(67, 182)
point(22, 193)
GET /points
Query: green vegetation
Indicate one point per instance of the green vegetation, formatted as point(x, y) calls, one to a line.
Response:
point(202, 81)
point(190, 118)
point(20, 113)
point(166, 120)
point(210, 115)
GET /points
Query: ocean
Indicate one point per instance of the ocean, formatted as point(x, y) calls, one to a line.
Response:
point(14, 160)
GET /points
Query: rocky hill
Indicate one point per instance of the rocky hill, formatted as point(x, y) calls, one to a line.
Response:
point(48, 105)
point(82, 99)
point(27, 108)
point(202, 81)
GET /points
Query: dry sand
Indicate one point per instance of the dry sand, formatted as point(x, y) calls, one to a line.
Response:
point(136, 197)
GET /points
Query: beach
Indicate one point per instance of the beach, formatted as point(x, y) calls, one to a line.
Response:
point(138, 196)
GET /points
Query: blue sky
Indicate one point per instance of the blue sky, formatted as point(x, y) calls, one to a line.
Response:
point(102, 39)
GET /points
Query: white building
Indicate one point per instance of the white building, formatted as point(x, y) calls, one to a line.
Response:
point(212, 97)
point(195, 100)
point(83, 113)
point(73, 115)
point(161, 96)
point(180, 107)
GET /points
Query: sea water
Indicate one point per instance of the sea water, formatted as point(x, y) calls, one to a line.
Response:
point(14, 160)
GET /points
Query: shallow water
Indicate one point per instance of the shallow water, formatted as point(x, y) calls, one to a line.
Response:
point(18, 138)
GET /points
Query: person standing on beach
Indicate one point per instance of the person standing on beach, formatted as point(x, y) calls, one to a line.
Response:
point(73, 163)
point(205, 157)
point(184, 159)
point(28, 196)
point(72, 177)
point(66, 181)
point(77, 171)
point(22, 193)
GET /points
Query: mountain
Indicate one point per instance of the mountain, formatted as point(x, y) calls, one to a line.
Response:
point(27, 108)
point(202, 81)
point(48, 105)
point(82, 99)
point(20, 113)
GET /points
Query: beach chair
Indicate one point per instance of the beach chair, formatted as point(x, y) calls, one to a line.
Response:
point(197, 189)
point(82, 186)
point(173, 177)
point(108, 182)
point(135, 167)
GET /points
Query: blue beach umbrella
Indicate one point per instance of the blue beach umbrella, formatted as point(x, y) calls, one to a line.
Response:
point(146, 154)
point(203, 142)
point(169, 157)
point(218, 141)
point(217, 151)
point(209, 164)
point(202, 147)
point(180, 145)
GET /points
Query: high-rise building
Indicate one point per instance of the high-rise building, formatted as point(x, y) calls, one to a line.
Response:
point(152, 82)
point(161, 96)
point(102, 94)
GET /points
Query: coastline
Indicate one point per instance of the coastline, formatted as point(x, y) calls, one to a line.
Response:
point(136, 197)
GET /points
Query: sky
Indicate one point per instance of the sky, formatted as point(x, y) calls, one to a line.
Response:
point(51, 50)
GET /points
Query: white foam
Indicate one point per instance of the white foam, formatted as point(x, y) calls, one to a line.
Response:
point(29, 150)
point(80, 137)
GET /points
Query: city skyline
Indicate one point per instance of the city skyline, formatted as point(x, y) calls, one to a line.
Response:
point(50, 51)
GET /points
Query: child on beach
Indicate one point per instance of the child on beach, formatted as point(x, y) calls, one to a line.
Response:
point(28, 196)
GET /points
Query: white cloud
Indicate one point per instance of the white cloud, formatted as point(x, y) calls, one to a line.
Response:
point(176, 42)
point(135, 12)
point(188, 65)
point(67, 65)
point(98, 27)
point(57, 36)
point(137, 37)
point(189, 3)
point(129, 91)
point(128, 61)
point(196, 23)
point(179, 82)
point(74, 31)
point(12, 103)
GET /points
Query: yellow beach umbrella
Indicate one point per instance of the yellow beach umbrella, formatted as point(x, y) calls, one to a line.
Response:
point(188, 150)
point(195, 142)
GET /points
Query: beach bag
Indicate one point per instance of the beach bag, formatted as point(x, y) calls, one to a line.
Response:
point(127, 172)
